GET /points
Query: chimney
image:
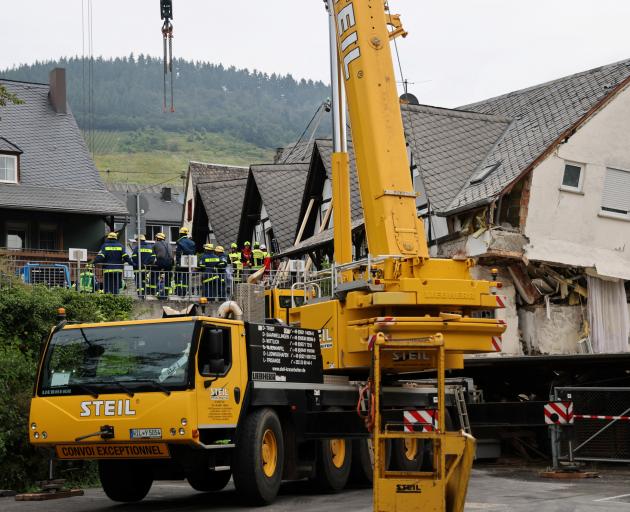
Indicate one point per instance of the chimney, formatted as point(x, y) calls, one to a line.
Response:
point(57, 94)
point(166, 194)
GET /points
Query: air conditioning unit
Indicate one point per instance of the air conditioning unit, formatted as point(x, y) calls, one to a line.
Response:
point(296, 265)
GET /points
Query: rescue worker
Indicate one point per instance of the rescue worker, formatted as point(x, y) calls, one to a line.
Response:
point(236, 262)
point(184, 247)
point(266, 258)
point(147, 259)
point(87, 280)
point(221, 267)
point(207, 264)
point(161, 271)
point(258, 257)
point(112, 256)
point(246, 258)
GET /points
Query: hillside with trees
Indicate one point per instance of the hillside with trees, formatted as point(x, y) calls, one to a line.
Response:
point(222, 114)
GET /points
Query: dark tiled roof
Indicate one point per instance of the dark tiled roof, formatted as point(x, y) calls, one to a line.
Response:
point(325, 149)
point(315, 241)
point(201, 172)
point(297, 152)
point(281, 187)
point(158, 209)
point(6, 145)
point(56, 171)
point(448, 146)
point(223, 202)
point(541, 115)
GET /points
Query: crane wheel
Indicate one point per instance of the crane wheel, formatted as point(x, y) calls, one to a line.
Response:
point(209, 481)
point(259, 457)
point(407, 454)
point(125, 481)
point(334, 460)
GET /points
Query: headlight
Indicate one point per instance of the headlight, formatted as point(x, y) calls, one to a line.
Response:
point(173, 431)
point(184, 422)
point(44, 435)
point(33, 426)
point(182, 431)
point(36, 435)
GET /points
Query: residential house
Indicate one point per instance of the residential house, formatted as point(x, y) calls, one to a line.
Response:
point(213, 201)
point(271, 206)
point(161, 208)
point(51, 195)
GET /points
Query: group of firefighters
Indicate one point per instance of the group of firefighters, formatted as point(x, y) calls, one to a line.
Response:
point(162, 273)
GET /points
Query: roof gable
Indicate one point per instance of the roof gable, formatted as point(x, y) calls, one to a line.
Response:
point(543, 115)
point(222, 201)
point(54, 157)
point(281, 187)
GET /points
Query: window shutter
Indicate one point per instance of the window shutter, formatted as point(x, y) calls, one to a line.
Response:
point(616, 195)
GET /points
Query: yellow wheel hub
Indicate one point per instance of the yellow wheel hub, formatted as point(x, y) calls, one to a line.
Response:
point(411, 449)
point(269, 451)
point(338, 450)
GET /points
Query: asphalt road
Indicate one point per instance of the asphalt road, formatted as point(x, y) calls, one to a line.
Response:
point(503, 489)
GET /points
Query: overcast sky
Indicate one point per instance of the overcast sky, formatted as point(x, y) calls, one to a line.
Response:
point(458, 51)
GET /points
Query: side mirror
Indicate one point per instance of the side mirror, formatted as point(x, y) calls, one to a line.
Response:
point(215, 364)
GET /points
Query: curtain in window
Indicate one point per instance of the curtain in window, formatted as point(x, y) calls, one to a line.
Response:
point(608, 315)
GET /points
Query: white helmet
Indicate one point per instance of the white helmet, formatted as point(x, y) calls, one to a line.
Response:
point(263, 247)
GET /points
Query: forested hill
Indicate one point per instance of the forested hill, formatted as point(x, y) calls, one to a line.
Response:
point(264, 110)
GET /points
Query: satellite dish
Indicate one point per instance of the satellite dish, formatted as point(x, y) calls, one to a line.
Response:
point(409, 99)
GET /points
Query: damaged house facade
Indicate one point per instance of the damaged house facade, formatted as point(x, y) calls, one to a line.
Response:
point(548, 205)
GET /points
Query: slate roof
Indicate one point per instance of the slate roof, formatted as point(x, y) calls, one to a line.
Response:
point(542, 115)
point(56, 171)
point(281, 187)
point(317, 240)
point(6, 145)
point(223, 202)
point(449, 146)
point(201, 172)
point(297, 152)
point(158, 210)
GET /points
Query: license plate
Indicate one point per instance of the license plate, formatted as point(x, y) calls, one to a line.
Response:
point(145, 433)
point(113, 451)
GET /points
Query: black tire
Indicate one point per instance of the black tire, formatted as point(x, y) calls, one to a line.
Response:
point(407, 456)
point(362, 468)
point(125, 481)
point(249, 468)
point(334, 461)
point(209, 481)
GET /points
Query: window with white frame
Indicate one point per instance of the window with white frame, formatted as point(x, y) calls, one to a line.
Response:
point(8, 168)
point(572, 177)
point(616, 194)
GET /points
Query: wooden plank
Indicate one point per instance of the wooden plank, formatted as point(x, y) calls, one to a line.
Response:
point(523, 284)
point(44, 496)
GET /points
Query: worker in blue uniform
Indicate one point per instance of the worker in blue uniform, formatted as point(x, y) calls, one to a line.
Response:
point(112, 256)
point(221, 267)
point(207, 264)
point(184, 247)
point(147, 260)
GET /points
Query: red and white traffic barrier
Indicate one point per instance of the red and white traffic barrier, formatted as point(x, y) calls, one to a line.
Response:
point(500, 303)
point(600, 417)
point(426, 418)
point(559, 413)
point(497, 343)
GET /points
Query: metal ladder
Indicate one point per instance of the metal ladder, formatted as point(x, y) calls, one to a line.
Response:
point(462, 409)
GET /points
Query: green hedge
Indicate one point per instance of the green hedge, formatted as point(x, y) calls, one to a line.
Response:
point(26, 316)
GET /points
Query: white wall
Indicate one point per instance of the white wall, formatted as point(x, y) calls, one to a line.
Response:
point(569, 223)
point(557, 333)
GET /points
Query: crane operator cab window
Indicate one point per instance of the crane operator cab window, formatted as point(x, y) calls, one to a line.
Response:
point(215, 354)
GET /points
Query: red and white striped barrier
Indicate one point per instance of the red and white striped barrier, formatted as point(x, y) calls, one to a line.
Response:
point(559, 413)
point(500, 303)
point(497, 343)
point(600, 417)
point(426, 418)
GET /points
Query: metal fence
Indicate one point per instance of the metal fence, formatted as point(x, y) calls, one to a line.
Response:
point(150, 282)
point(601, 424)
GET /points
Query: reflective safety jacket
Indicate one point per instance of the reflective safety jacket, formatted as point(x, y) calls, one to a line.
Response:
point(235, 260)
point(185, 247)
point(113, 256)
point(222, 263)
point(147, 258)
point(208, 262)
point(258, 258)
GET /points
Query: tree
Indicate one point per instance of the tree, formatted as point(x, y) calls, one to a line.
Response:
point(7, 96)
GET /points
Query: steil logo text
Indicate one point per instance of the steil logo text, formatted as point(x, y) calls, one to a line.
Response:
point(107, 408)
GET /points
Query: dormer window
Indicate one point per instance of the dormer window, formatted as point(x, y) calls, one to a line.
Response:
point(8, 168)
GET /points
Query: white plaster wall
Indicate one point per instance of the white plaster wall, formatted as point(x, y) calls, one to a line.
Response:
point(188, 195)
point(558, 334)
point(510, 339)
point(604, 141)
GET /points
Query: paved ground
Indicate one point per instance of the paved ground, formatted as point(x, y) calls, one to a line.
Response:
point(503, 489)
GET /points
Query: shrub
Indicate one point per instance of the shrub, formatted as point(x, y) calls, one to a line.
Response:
point(26, 316)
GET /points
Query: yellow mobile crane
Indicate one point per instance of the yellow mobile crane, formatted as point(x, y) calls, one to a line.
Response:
point(207, 398)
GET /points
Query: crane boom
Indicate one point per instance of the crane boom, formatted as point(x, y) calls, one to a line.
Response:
point(387, 194)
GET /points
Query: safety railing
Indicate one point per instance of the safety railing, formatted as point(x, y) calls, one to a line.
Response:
point(593, 424)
